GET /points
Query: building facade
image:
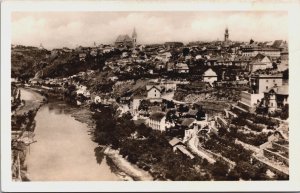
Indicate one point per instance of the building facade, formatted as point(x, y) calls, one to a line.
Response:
point(153, 91)
point(263, 82)
point(276, 98)
point(210, 76)
point(157, 121)
point(126, 41)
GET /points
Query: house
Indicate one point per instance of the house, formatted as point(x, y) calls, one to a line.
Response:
point(242, 61)
point(261, 83)
point(82, 56)
point(280, 44)
point(124, 54)
point(83, 90)
point(210, 76)
point(190, 128)
point(160, 65)
point(157, 121)
point(188, 122)
point(153, 91)
point(276, 97)
point(135, 105)
point(170, 66)
point(93, 52)
point(260, 62)
point(179, 145)
point(164, 57)
point(181, 68)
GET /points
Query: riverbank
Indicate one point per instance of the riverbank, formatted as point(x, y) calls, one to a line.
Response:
point(120, 166)
point(125, 166)
point(23, 125)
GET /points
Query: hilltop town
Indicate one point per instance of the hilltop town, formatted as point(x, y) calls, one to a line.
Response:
point(213, 110)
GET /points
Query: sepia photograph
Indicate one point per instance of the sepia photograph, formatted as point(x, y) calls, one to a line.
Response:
point(138, 95)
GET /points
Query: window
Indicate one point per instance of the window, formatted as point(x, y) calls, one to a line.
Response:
point(267, 80)
point(155, 95)
point(273, 80)
point(267, 87)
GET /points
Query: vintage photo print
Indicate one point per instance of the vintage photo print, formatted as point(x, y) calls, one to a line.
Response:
point(119, 96)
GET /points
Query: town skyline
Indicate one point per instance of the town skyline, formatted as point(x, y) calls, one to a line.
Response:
point(84, 29)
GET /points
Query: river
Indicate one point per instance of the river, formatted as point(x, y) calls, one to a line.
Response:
point(64, 150)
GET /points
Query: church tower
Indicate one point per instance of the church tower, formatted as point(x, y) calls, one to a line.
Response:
point(226, 35)
point(134, 36)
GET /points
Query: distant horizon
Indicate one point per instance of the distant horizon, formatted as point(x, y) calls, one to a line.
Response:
point(185, 43)
point(72, 29)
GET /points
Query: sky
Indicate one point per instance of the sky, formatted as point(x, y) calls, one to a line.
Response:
point(71, 29)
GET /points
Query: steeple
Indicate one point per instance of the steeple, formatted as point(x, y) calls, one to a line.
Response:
point(226, 35)
point(134, 36)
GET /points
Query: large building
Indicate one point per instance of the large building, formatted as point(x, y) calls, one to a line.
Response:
point(263, 82)
point(126, 41)
point(260, 62)
point(253, 49)
point(260, 84)
point(157, 121)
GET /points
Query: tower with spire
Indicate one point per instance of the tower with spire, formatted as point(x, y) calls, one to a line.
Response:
point(134, 36)
point(226, 35)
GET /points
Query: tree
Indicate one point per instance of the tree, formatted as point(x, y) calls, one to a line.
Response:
point(200, 115)
point(171, 116)
point(219, 170)
point(245, 170)
point(233, 175)
point(222, 131)
point(143, 130)
point(285, 112)
point(185, 51)
point(144, 105)
point(183, 108)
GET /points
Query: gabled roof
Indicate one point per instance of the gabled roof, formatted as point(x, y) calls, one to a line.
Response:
point(157, 116)
point(174, 141)
point(259, 56)
point(258, 59)
point(149, 87)
point(192, 112)
point(182, 66)
point(188, 121)
point(277, 43)
point(281, 90)
point(210, 72)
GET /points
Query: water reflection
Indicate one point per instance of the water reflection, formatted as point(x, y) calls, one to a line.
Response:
point(64, 150)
